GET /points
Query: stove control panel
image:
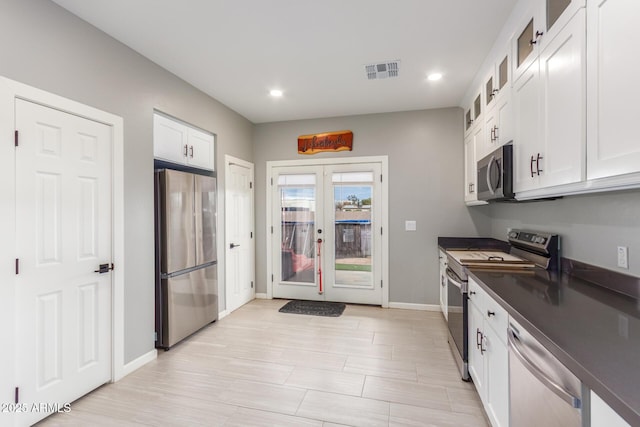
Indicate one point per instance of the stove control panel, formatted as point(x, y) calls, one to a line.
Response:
point(545, 243)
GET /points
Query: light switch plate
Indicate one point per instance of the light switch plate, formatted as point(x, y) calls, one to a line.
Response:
point(410, 226)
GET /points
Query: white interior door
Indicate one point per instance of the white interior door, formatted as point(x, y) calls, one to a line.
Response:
point(326, 233)
point(63, 227)
point(239, 234)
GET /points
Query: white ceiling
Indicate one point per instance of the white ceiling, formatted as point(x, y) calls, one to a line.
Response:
point(313, 50)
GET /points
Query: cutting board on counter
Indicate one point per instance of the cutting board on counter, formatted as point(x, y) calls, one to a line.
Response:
point(490, 259)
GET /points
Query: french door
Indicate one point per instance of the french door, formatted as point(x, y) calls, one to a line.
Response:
point(326, 237)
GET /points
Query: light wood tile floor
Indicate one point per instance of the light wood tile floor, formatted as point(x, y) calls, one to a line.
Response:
point(259, 367)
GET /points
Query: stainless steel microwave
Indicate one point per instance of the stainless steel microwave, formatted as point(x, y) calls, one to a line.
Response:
point(495, 175)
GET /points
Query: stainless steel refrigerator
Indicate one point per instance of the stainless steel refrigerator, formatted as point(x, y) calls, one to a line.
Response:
point(186, 260)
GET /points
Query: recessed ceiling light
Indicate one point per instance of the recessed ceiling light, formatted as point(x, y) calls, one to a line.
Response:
point(276, 93)
point(434, 77)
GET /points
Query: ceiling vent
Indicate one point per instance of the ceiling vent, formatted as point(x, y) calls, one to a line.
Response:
point(382, 70)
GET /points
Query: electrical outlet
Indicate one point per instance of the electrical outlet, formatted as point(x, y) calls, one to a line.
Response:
point(623, 257)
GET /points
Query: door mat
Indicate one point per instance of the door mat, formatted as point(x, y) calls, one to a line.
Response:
point(314, 308)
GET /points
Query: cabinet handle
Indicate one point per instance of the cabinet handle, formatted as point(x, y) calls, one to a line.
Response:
point(538, 170)
point(186, 147)
point(471, 293)
point(536, 37)
point(491, 313)
point(495, 133)
point(479, 339)
point(482, 344)
point(531, 165)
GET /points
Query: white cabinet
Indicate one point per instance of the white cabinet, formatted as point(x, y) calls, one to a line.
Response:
point(613, 142)
point(498, 117)
point(544, 20)
point(488, 353)
point(443, 283)
point(470, 168)
point(176, 142)
point(550, 108)
point(602, 415)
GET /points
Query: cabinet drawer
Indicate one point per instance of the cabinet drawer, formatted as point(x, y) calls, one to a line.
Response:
point(477, 296)
point(496, 317)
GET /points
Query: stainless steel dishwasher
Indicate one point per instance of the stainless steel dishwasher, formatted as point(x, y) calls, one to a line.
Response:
point(542, 391)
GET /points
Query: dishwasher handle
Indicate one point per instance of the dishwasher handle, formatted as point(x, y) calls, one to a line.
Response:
point(557, 389)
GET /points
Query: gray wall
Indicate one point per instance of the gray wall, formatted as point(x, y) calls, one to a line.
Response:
point(425, 184)
point(591, 226)
point(44, 46)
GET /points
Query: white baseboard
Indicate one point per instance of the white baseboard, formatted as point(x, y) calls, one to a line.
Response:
point(410, 306)
point(223, 314)
point(138, 363)
point(261, 296)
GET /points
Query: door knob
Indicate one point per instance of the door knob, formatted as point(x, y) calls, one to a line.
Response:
point(233, 245)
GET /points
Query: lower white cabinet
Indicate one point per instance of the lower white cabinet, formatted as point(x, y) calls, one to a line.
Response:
point(603, 416)
point(443, 283)
point(488, 353)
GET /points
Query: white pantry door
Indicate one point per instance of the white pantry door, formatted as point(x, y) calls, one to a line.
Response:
point(239, 234)
point(63, 227)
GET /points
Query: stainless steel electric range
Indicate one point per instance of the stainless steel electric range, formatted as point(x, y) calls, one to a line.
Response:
point(528, 250)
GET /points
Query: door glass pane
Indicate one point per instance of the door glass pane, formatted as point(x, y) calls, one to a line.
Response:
point(353, 200)
point(554, 10)
point(503, 70)
point(525, 46)
point(297, 210)
point(476, 107)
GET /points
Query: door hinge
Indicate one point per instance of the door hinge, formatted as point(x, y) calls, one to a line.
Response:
point(252, 284)
point(380, 177)
point(250, 184)
point(271, 181)
point(16, 396)
point(15, 138)
point(272, 229)
point(155, 336)
point(251, 235)
point(381, 231)
point(272, 277)
point(380, 283)
point(17, 265)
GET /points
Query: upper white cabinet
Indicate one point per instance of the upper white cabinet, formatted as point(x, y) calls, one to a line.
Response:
point(544, 20)
point(613, 142)
point(473, 114)
point(470, 168)
point(498, 116)
point(176, 142)
point(550, 111)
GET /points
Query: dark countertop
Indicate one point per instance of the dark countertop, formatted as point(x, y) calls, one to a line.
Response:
point(593, 331)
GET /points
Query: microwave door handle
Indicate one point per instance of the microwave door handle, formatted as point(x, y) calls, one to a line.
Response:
point(489, 186)
point(556, 388)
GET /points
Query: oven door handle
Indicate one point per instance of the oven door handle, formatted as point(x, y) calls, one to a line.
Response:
point(453, 279)
point(557, 389)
